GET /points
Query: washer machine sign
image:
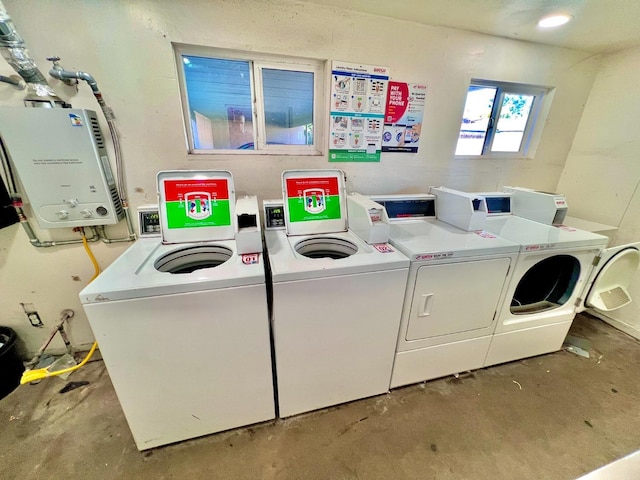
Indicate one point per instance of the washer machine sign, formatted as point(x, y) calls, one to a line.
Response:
point(383, 248)
point(250, 258)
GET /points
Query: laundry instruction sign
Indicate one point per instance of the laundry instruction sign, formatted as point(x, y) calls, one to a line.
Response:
point(358, 94)
point(310, 199)
point(197, 203)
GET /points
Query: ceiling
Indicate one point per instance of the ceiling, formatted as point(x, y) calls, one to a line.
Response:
point(599, 26)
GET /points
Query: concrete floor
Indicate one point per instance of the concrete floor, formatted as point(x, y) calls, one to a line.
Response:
point(556, 416)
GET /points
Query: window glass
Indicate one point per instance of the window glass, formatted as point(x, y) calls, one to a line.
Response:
point(512, 122)
point(220, 105)
point(237, 102)
point(475, 120)
point(500, 119)
point(288, 106)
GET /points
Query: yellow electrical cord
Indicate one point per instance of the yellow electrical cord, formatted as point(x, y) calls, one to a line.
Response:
point(32, 375)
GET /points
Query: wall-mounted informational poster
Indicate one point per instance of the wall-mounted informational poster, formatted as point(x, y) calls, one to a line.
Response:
point(358, 98)
point(403, 117)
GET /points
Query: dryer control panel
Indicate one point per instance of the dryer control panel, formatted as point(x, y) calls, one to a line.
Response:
point(407, 207)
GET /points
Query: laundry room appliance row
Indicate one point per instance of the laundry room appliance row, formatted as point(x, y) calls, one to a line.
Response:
point(560, 270)
point(200, 329)
point(187, 317)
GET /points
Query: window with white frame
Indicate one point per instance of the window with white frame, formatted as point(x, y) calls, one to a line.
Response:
point(500, 119)
point(240, 102)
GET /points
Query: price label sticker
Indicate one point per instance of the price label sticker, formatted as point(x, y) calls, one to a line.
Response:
point(250, 258)
point(383, 248)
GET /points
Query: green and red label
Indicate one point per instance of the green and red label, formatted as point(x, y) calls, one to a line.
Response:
point(197, 203)
point(312, 199)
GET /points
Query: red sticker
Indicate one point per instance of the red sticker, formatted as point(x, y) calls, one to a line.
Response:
point(176, 190)
point(383, 248)
point(250, 258)
point(297, 186)
point(397, 101)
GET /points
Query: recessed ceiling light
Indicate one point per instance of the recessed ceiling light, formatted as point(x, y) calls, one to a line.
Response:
point(554, 20)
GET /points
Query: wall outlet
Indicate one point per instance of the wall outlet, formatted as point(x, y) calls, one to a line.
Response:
point(35, 320)
point(32, 314)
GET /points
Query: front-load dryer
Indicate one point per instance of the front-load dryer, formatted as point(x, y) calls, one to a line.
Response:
point(456, 288)
point(182, 323)
point(560, 270)
point(336, 299)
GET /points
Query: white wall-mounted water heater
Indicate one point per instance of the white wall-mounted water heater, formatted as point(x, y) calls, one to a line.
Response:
point(61, 159)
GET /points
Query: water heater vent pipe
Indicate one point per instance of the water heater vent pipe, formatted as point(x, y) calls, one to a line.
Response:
point(14, 51)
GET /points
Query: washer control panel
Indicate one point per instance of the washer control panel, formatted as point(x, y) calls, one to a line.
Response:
point(273, 214)
point(148, 221)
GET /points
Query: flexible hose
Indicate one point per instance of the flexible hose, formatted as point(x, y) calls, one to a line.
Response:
point(32, 375)
point(96, 267)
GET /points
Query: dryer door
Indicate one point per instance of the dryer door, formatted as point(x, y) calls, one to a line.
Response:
point(608, 288)
point(452, 298)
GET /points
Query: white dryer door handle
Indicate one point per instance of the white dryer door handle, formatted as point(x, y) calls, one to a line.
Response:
point(426, 302)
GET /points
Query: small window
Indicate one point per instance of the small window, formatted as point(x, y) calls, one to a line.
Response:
point(236, 102)
point(500, 119)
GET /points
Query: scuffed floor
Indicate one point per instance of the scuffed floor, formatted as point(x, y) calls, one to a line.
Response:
point(556, 416)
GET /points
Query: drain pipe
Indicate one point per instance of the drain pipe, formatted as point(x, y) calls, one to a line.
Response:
point(14, 51)
point(59, 327)
point(69, 77)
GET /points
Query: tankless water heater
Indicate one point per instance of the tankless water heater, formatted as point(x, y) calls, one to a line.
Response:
point(61, 159)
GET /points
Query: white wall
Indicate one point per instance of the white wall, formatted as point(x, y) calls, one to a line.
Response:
point(126, 46)
point(602, 173)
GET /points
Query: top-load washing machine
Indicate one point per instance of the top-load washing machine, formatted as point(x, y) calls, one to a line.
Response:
point(336, 298)
point(182, 321)
point(456, 288)
point(560, 271)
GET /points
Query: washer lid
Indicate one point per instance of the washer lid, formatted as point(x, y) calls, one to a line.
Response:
point(314, 201)
point(196, 205)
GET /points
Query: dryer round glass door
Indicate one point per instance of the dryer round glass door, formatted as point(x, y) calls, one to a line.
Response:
point(326, 247)
point(190, 259)
point(547, 285)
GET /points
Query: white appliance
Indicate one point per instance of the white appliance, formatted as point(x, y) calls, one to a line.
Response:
point(336, 299)
point(559, 272)
point(544, 207)
point(61, 159)
point(456, 288)
point(183, 326)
